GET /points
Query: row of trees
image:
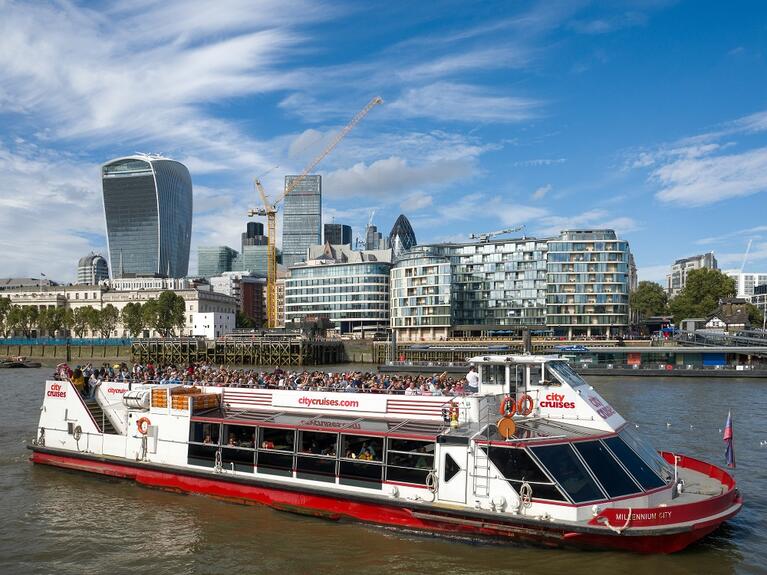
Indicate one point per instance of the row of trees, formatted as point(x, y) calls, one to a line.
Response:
point(165, 315)
point(700, 297)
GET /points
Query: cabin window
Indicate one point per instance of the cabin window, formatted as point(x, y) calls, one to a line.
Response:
point(517, 467)
point(451, 467)
point(238, 450)
point(608, 471)
point(493, 374)
point(409, 460)
point(275, 451)
point(203, 444)
point(638, 468)
point(361, 461)
point(564, 465)
point(316, 459)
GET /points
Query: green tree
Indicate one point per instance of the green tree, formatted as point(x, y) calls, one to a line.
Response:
point(23, 319)
point(82, 319)
point(648, 300)
point(52, 320)
point(133, 319)
point(5, 308)
point(166, 313)
point(106, 320)
point(755, 316)
point(701, 294)
point(243, 321)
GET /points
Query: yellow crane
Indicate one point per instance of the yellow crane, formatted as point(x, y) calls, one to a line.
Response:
point(270, 211)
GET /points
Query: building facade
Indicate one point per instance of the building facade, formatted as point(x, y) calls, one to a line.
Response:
point(92, 269)
point(421, 303)
point(301, 218)
point(215, 260)
point(677, 279)
point(587, 283)
point(337, 234)
point(375, 240)
point(248, 289)
point(402, 236)
point(746, 282)
point(350, 288)
point(759, 299)
point(148, 211)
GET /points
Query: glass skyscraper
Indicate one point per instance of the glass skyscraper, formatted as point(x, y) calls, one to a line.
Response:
point(337, 234)
point(214, 260)
point(301, 218)
point(148, 210)
point(402, 236)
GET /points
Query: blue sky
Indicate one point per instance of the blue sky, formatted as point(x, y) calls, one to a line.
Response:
point(648, 117)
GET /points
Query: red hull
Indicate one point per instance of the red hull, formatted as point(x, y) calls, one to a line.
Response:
point(426, 520)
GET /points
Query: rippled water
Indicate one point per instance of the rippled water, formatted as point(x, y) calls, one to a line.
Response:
point(57, 521)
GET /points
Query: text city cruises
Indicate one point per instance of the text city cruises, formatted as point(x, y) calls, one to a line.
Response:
point(537, 455)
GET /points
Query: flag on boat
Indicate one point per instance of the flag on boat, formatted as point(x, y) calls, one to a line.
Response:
point(729, 452)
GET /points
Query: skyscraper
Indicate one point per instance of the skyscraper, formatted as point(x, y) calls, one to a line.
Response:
point(337, 234)
point(92, 269)
point(301, 218)
point(148, 210)
point(215, 260)
point(402, 236)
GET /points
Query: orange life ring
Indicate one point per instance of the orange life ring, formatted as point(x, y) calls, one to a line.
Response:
point(508, 407)
point(525, 405)
point(143, 425)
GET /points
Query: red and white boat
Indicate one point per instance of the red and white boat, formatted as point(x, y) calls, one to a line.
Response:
point(564, 470)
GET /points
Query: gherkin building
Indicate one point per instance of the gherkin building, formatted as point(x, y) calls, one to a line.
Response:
point(402, 236)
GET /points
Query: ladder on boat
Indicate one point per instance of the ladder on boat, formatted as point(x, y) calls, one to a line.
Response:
point(481, 471)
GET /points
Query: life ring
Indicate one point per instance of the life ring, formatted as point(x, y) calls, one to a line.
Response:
point(143, 425)
point(525, 405)
point(508, 407)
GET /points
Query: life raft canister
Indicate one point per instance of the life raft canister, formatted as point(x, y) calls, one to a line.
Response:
point(508, 407)
point(525, 405)
point(143, 425)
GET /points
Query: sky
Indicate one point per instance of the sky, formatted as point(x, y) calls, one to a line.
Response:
point(646, 117)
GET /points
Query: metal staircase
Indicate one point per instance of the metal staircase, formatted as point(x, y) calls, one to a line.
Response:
point(481, 473)
point(101, 419)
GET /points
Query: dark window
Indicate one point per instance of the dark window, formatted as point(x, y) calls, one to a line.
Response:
point(239, 436)
point(204, 433)
point(451, 467)
point(641, 472)
point(541, 490)
point(361, 473)
point(319, 443)
point(203, 444)
point(608, 471)
point(362, 447)
point(568, 470)
point(518, 467)
point(277, 439)
point(316, 468)
point(275, 463)
point(408, 460)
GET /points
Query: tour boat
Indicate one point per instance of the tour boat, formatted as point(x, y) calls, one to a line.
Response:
point(536, 455)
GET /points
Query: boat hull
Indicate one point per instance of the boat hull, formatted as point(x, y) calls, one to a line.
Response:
point(401, 514)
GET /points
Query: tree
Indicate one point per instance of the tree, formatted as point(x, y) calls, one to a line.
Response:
point(649, 300)
point(701, 294)
point(106, 320)
point(5, 308)
point(133, 319)
point(166, 313)
point(23, 319)
point(243, 321)
point(52, 320)
point(82, 319)
point(755, 316)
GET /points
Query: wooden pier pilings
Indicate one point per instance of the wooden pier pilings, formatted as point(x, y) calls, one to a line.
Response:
point(262, 351)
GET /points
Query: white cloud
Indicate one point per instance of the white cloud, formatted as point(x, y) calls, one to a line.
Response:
point(541, 192)
point(757, 253)
point(653, 273)
point(463, 103)
point(594, 218)
point(539, 162)
point(416, 201)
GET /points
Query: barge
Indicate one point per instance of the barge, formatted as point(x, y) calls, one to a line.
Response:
point(536, 455)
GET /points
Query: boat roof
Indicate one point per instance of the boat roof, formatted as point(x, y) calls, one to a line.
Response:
point(513, 358)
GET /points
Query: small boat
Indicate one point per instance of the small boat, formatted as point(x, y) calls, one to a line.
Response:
point(536, 456)
point(18, 362)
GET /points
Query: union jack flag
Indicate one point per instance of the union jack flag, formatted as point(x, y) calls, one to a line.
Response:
point(729, 452)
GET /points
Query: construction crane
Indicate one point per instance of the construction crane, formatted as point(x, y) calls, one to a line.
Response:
point(270, 211)
point(745, 256)
point(485, 237)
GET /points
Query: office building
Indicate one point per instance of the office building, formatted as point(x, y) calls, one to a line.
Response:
point(254, 235)
point(148, 209)
point(215, 260)
point(746, 282)
point(350, 288)
point(677, 279)
point(337, 234)
point(587, 283)
point(91, 269)
point(301, 218)
point(759, 299)
point(248, 289)
point(402, 236)
point(374, 240)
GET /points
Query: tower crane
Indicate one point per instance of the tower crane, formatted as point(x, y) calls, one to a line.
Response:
point(269, 210)
point(487, 236)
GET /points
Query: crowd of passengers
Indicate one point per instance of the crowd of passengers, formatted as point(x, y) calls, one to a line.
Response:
point(87, 378)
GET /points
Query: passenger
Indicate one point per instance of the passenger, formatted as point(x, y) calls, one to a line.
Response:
point(472, 380)
point(207, 439)
point(232, 440)
point(266, 444)
point(78, 380)
point(365, 455)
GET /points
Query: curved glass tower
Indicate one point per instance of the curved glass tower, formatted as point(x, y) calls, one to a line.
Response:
point(402, 236)
point(148, 211)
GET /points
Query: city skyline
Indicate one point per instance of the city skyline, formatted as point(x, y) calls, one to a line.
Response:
point(646, 118)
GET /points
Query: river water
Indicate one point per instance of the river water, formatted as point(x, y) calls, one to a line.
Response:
point(60, 522)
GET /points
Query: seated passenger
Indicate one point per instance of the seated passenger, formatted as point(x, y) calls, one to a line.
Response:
point(365, 455)
point(267, 444)
point(207, 439)
point(232, 440)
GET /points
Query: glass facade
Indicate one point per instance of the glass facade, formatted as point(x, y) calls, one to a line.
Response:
point(301, 218)
point(337, 234)
point(588, 283)
point(402, 236)
point(352, 295)
point(214, 260)
point(148, 210)
point(92, 269)
point(252, 259)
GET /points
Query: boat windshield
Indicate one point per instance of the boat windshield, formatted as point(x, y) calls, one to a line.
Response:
point(565, 373)
point(648, 453)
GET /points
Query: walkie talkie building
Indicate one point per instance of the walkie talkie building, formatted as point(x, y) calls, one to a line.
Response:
point(148, 211)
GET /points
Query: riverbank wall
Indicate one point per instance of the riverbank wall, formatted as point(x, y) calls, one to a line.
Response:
point(51, 354)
